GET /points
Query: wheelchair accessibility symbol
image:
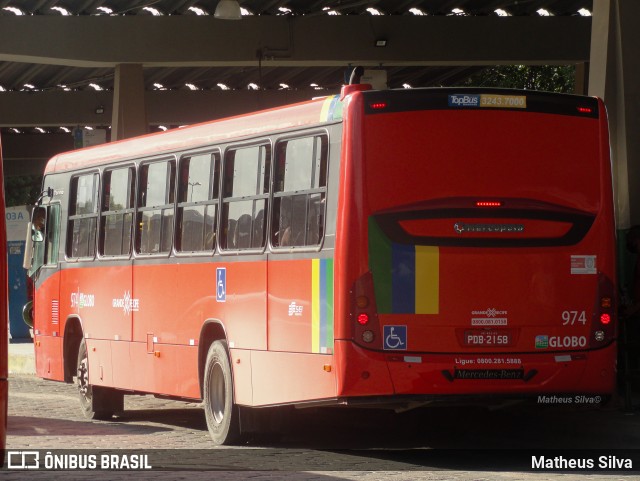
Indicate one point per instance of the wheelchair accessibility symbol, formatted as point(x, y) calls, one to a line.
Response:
point(221, 284)
point(395, 338)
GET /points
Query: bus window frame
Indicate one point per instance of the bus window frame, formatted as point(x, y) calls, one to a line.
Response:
point(171, 159)
point(216, 200)
point(133, 210)
point(70, 218)
point(282, 250)
point(52, 207)
point(262, 142)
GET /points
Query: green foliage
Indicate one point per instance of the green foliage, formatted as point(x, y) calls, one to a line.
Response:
point(22, 190)
point(549, 78)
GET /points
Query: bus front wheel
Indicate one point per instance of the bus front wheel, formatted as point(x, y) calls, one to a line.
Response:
point(96, 402)
point(221, 413)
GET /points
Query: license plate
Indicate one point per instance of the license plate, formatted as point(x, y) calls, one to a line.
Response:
point(489, 338)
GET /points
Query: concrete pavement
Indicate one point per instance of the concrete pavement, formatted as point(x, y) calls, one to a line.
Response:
point(21, 357)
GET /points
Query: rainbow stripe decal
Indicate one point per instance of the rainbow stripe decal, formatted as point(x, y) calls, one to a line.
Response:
point(331, 109)
point(322, 306)
point(406, 278)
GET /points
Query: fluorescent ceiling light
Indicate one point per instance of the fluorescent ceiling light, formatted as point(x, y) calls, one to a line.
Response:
point(63, 11)
point(14, 10)
point(198, 11)
point(154, 11)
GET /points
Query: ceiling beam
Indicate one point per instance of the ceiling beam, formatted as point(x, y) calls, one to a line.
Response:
point(191, 41)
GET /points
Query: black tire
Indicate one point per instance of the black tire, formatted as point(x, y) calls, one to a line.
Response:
point(221, 412)
point(96, 402)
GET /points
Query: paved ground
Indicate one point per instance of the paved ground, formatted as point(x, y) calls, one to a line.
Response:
point(436, 444)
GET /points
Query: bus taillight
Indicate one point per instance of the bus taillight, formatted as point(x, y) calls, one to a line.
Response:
point(603, 329)
point(366, 328)
point(489, 203)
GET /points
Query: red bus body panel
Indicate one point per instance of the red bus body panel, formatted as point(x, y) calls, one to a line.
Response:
point(489, 304)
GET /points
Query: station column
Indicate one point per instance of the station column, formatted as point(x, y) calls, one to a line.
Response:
point(129, 110)
point(614, 75)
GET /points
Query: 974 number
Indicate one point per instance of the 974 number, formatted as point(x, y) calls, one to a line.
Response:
point(570, 318)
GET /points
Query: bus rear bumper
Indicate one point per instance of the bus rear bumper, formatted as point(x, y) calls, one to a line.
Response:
point(524, 374)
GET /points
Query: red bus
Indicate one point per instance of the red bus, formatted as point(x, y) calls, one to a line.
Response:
point(381, 248)
point(4, 319)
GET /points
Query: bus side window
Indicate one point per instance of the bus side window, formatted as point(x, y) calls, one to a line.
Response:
point(154, 220)
point(52, 235)
point(197, 202)
point(83, 216)
point(116, 216)
point(300, 192)
point(245, 197)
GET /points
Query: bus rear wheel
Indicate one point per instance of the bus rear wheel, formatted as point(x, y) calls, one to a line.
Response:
point(96, 402)
point(220, 410)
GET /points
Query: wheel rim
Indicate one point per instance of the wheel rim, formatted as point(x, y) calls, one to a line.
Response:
point(83, 378)
point(218, 393)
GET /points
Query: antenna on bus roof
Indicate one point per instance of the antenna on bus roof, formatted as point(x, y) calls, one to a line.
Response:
point(354, 83)
point(356, 75)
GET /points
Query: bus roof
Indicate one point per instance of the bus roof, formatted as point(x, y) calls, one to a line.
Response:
point(207, 133)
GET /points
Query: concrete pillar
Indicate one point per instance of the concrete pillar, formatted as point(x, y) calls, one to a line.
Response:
point(129, 111)
point(614, 75)
point(581, 79)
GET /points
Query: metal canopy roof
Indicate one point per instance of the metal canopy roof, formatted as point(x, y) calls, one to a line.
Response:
point(17, 76)
point(14, 75)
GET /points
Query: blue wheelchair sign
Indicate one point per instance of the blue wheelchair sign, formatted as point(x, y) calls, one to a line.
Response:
point(395, 338)
point(221, 284)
